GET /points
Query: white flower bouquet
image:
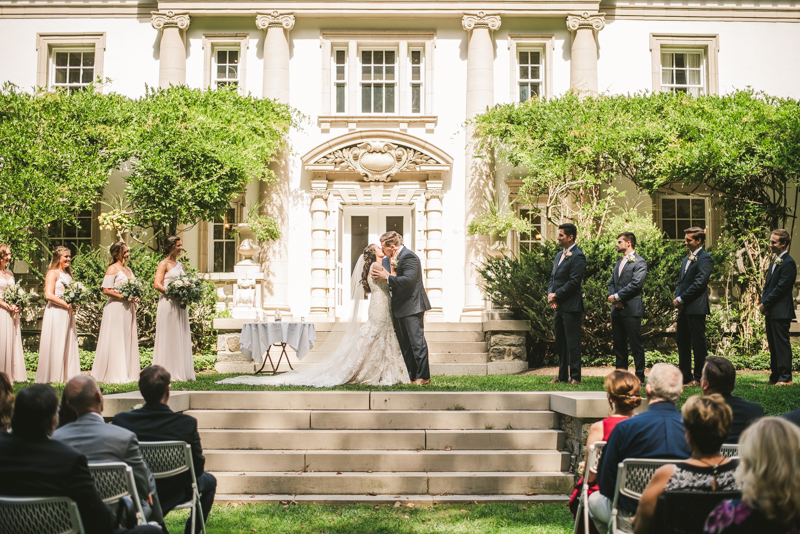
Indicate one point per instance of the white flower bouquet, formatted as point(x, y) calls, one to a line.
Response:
point(77, 294)
point(132, 289)
point(187, 289)
point(17, 296)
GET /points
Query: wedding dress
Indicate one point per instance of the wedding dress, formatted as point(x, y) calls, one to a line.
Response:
point(371, 356)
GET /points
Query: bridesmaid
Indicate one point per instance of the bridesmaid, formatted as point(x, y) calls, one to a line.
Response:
point(58, 345)
point(173, 346)
point(12, 362)
point(117, 358)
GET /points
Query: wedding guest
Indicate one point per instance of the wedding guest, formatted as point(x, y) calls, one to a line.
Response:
point(6, 402)
point(708, 422)
point(691, 301)
point(66, 414)
point(173, 344)
point(623, 392)
point(625, 295)
point(719, 376)
point(656, 433)
point(155, 421)
point(793, 417)
point(565, 297)
point(777, 306)
point(116, 359)
point(58, 344)
point(12, 361)
point(769, 461)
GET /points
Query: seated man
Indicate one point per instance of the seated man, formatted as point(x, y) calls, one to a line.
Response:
point(33, 465)
point(656, 433)
point(794, 417)
point(155, 421)
point(100, 442)
point(719, 376)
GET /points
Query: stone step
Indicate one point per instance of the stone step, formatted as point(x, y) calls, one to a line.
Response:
point(503, 367)
point(387, 461)
point(453, 327)
point(444, 357)
point(469, 400)
point(373, 419)
point(462, 337)
point(382, 440)
point(416, 500)
point(414, 483)
point(455, 347)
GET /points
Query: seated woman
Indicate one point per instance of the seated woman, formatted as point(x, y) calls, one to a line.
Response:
point(769, 463)
point(708, 423)
point(624, 396)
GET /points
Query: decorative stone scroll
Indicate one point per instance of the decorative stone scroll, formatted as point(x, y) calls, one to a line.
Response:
point(170, 19)
point(586, 21)
point(376, 161)
point(274, 20)
point(481, 20)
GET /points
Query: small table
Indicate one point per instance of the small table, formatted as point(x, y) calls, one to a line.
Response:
point(258, 338)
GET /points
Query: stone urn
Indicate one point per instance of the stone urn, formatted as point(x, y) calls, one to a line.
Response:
point(248, 246)
point(498, 248)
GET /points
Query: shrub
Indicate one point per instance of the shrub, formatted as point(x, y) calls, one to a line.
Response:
point(202, 362)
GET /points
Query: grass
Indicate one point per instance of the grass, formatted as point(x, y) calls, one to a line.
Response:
point(240, 518)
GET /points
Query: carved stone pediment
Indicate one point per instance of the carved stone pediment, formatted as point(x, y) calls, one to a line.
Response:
point(376, 160)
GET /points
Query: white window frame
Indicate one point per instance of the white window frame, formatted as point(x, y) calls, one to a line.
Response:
point(412, 82)
point(395, 82)
point(224, 41)
point(544, 43)
point(67, 50)
point(48, 43)
point(708, 44)
point(542, 227)
point(703, 86)
point(238, 208)
point(61, 239)
point(706, 211)
point(339, 83)
point(214, 65)
point(542, 76)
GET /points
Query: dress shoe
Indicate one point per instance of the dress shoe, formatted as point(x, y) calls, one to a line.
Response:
point(574, 382)
point(770, 383)
point(421, 381)
point(783, 383)
point(692, 384)
point(556, 380)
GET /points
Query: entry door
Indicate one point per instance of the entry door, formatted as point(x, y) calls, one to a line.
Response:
point(364, 226)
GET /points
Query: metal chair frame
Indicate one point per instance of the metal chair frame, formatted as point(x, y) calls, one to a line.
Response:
point(113, 481)
point(730, 450)
point(162, 464)
point(24, 515)
point(633, 476)
point(592, 461)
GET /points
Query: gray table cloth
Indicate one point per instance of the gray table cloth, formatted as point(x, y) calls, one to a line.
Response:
point(256, 338)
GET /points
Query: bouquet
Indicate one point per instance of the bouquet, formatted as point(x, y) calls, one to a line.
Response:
point(187, 289)
point(132, 289)
point(17, 296)
point(77, 294)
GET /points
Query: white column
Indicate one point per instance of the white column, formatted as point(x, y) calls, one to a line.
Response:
point(433, 248)
point(275, 196)
point(320, 255)
point(172, 52)
point(479, 181)
point(583, 56)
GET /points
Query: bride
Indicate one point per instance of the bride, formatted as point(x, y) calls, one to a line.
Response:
point(369, 354)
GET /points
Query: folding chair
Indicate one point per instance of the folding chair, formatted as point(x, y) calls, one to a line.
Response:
point(113, 481)
point(592, 461)
point(685, 512)
point(169, 458)
point(730, 450)
point(632, 478)
point(39, 515)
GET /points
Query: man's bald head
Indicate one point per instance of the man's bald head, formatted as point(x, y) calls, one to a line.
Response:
point(83, 395)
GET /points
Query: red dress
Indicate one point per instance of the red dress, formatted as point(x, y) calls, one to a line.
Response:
point(608, 425)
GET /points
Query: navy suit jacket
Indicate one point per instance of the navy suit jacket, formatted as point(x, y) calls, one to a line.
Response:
point(628, 287)
point(777, 296)
point(408, 291)
point(566, 281)
point(693, 284)
point(744, 413)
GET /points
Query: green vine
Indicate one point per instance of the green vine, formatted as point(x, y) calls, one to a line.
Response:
point(495, 223)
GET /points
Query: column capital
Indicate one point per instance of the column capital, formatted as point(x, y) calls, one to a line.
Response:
point(480, 20)
point(434, 193)
point(274, 20)
point(586, 21)
point(169, 19)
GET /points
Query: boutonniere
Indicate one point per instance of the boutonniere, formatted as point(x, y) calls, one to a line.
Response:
point(393, 262)
point(692, 257)
point(778, 261)
point(631, 257)
point(568, 255)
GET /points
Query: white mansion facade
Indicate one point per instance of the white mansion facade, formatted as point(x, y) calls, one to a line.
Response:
point(387, 87)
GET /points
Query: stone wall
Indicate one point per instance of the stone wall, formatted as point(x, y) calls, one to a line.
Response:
point(576, 432)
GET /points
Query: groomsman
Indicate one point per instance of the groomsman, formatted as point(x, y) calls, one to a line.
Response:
point(625, 295)
point(565, 296)
point(778, 307)
point(691, 301)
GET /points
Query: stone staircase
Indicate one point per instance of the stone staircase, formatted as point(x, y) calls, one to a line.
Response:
point(382, 443)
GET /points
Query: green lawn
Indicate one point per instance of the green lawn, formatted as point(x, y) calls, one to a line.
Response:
point(235, 518)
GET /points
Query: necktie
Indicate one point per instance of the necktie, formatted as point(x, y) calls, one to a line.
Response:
point(622, 264)
point(561, 259)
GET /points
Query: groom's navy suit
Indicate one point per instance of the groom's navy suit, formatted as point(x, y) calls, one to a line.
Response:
point(566, 281)
point(779, 305)
point(692, 290)
point(409, 304)
point(626, 323)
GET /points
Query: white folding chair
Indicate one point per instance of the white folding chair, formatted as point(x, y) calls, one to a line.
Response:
point(39, 515)
point(169, 458)
point(730, 450)
point(592, 461)
point(632, 478)
point(113, 481)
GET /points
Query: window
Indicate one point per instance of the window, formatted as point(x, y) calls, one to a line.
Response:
point(340, 79)
point(527, 242)
point(378, 81)
point(416, 69)
point(530, 74)
point(682, 72)
point(224, 242)
point(681, 212)
point(72, 69)
point(75, 235)
point(226, 67)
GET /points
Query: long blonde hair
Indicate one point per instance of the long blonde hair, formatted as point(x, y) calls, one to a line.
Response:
point(769, 460)
point(57, 253)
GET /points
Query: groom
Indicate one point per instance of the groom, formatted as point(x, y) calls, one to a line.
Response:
point(409, 304)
